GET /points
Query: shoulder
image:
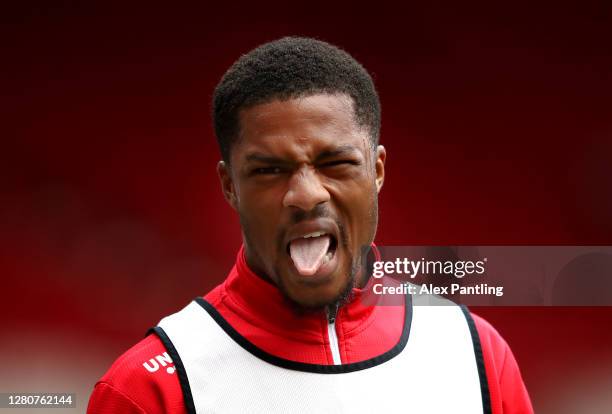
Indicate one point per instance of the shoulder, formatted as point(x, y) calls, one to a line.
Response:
point(142, 380)
point(490, 339)
point(507, 390)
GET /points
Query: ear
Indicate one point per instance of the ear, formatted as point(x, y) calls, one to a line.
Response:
point(227, 184)
point(381, 157)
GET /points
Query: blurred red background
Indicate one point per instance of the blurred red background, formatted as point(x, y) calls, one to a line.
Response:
point(496, 118)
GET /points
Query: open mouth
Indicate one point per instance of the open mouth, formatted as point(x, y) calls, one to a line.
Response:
point(311, 251)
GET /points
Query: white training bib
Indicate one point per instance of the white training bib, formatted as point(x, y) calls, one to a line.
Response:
point(433, 369)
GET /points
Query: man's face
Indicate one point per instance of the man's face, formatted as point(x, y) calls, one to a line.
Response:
point(305, 181)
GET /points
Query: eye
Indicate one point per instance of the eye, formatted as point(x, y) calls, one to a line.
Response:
point(266, 171)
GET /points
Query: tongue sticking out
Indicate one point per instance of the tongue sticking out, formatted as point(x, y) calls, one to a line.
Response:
point(308, 254)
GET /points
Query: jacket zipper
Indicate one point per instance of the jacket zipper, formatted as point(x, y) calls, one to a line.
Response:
point(332, 335)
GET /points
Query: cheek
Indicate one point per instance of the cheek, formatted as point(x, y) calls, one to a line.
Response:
point(259, 210)
point(264, 199)
point(358, 204)
point(368, 214)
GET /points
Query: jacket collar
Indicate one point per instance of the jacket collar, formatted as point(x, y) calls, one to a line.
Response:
point(261, 303)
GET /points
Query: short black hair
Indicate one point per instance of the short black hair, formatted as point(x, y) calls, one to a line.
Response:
point(288, 68)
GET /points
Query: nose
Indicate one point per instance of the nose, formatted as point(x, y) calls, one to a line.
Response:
point(305, 190)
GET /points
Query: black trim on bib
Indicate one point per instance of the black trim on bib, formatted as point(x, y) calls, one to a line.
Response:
point(482, 373)
point(315, 368)
point(180, 368)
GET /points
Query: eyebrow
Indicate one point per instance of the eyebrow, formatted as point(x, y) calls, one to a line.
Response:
point(341, 150)
point(266, 159)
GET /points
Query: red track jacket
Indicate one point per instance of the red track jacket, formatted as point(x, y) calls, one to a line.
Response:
point(144, 381)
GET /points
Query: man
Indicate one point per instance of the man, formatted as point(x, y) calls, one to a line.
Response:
point(298, 122)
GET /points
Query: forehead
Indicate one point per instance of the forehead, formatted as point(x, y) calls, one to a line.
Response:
point(302, 126)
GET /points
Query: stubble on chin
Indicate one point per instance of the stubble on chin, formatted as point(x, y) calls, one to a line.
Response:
point(345, 295)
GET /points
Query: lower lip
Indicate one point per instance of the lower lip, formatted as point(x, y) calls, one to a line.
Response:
point(323, 273)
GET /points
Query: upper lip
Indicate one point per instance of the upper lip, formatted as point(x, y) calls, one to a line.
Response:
point(303, 228)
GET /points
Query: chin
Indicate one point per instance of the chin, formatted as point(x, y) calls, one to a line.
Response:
point(321, 295)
